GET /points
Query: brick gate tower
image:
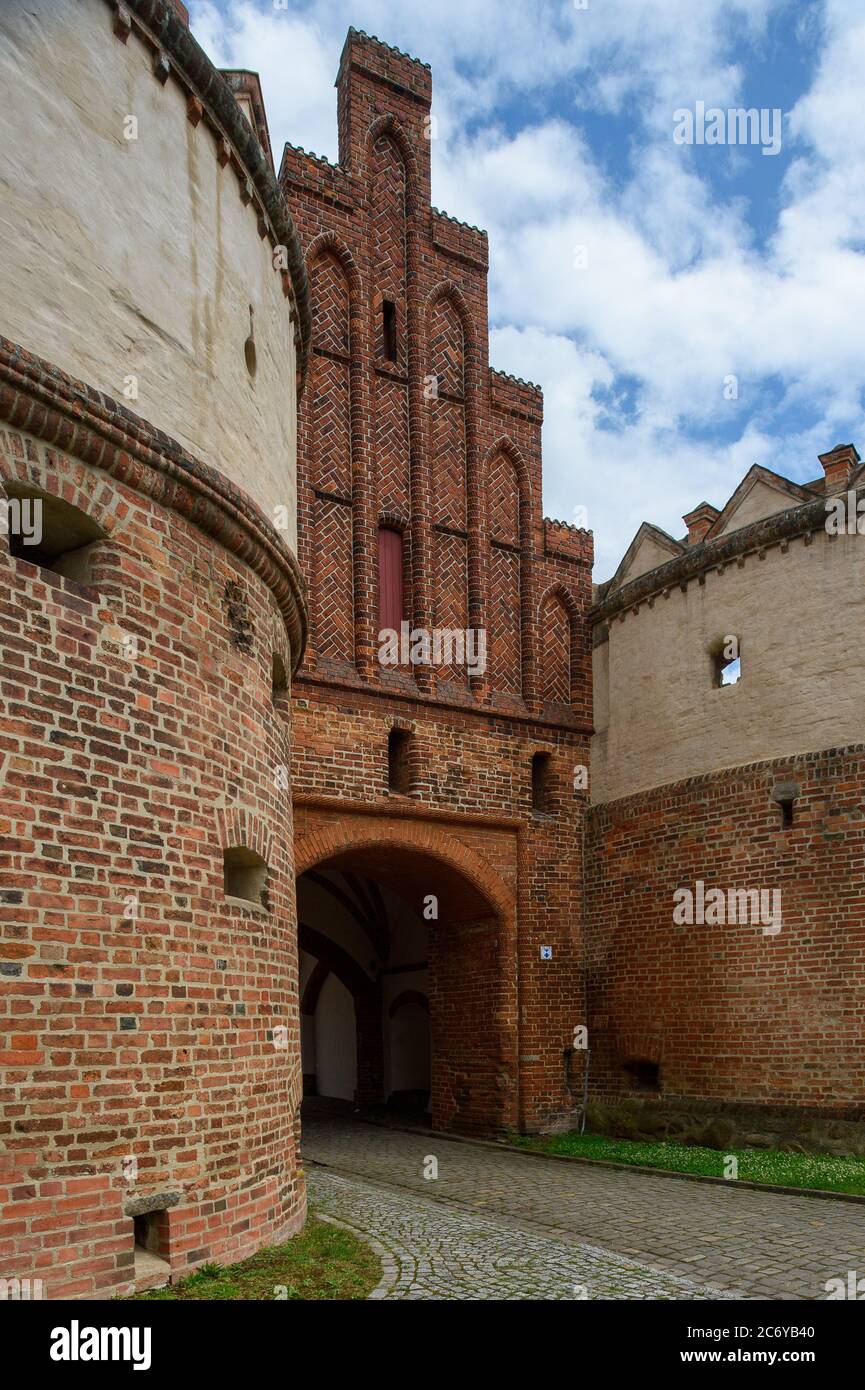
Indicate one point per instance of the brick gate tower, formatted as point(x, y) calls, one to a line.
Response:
point(438, 814)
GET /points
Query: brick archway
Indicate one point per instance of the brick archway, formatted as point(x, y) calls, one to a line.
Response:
point(345, 840)
point(470, 962)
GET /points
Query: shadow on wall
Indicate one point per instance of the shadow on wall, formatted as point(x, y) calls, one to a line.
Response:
point(365, 1028)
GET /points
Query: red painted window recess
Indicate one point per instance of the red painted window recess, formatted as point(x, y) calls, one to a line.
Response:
point(390, 612)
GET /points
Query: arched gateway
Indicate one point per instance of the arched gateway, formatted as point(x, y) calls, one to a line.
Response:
point(408, 974)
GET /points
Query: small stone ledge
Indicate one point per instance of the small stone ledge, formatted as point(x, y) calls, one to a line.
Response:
point(156, 1201)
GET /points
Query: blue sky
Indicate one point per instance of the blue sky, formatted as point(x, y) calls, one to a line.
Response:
point(718, 319)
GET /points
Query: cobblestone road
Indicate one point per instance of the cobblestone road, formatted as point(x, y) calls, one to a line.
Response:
point(497, 1224)
point(429, 1251)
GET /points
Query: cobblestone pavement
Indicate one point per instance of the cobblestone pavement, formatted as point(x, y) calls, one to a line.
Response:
point(430, 1252)
point(751, 1244)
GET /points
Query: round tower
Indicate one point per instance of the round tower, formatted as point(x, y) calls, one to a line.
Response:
point(153, 337)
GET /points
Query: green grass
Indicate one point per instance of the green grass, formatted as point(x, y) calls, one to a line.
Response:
point(823, 1171)
point(322, 1261)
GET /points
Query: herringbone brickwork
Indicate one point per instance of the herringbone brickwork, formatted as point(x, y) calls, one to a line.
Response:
point(428, 439)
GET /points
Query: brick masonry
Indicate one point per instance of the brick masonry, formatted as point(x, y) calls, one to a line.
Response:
point(138, 1004)
point(423, 436)
point(727, 1011)
point(151, 1022)
point(149, 1019)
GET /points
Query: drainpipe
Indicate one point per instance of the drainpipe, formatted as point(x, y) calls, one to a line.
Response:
point(567, 1054)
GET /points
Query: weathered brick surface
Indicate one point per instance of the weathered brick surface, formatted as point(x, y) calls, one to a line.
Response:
point(435, 440)
point(471, 791)
point(150, 1023)
point(727, 1011)
point(437, 444)
point(137, 1004)
point(149, 1030)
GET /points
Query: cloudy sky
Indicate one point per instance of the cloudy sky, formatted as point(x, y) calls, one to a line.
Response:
point(715, 315)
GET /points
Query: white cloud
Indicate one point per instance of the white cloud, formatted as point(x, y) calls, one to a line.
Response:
point(678, 293)
point(486, 52)
point(294, 57)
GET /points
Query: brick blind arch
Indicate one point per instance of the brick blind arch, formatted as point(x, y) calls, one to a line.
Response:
point(329, 404)
point(503, 499)
point(388, 196)
point(505, 575)
point(388, 178)
point(446, 404)
point(329, 460)
point(558, 639)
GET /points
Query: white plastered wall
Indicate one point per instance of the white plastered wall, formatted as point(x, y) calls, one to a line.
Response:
point(136, 258)
point(799, 616)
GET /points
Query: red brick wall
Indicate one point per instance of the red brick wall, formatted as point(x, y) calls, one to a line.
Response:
point(435, 441)
point(449, 451)
point(729, 1012)
point(474, 1027)
point(471, 788)
point(138, 1005)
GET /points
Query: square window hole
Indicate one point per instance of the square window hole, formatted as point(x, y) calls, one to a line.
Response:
point(245, 875)
point(642, 1075)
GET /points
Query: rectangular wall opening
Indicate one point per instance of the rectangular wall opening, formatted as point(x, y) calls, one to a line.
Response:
point(388, 330)
point(642, 1075)
point(152, 1267)
point(541, 783)
point(399, 761)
